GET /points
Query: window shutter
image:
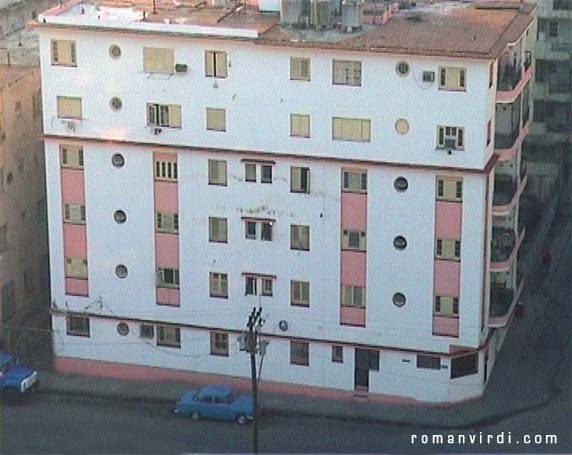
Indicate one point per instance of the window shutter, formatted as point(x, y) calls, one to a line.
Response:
point(55, 56)
point(304, 69)
point(220, 64)
point(295, 68)
point(175, 115)
point(365, 130)
point(209, 63)
point(148, 60)
point(337, 127)
point(73, 60)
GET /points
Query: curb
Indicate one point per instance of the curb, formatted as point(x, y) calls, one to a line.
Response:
point(276, 411)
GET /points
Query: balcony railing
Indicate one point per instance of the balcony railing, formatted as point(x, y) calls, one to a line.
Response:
point(509, 77)
point(503, 303)
point(506, 140)
point(505, 187)
point(527, 59)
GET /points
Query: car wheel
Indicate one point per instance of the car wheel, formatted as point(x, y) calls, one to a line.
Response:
point(195, 416)
point(241, 419)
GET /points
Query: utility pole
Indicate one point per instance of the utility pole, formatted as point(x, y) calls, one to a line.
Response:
point(254, 324)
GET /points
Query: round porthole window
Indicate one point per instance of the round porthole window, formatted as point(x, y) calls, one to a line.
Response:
point(117, 160)
point(402, 126)
point(120, 217)
point(402, 68)
point(399, 243)
point(115, 103)
point(401, 184)
point(122, 329)
point(121, 271)
point(114, 51)
point(399, 299)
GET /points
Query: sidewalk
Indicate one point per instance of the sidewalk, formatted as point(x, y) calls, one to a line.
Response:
point(524, 378)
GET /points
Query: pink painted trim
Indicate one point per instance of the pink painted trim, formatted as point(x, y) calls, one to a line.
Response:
point(353, 268)
point(448, 220)
point(503, 321)
point(166, 197)
point(75, 286)
point(510, 97)
point(447, 277)
point(73, 186)
point(354, 211)
point(165, 157)
point(167, 250)
point(502, 210)
point(352, 316)
point(510, 153)
point(168, 296)
point(505, 266)
point(445, 326)
point(75, 241)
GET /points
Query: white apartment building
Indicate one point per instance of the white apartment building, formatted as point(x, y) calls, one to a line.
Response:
point(359, 182)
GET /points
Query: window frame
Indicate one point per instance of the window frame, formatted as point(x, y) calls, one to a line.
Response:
point(349, 178)
point(219, 342)
point(428, 362)
point(164, 115)
point(297, 74)
point(222, 164)
point(352, 73)
point(218, 281)
point(166, 57)
point(214, 63)
point(213, 220)
point(162, 274)
point(216, 119)
point(300, 288)
point(446, 81)
point(68, 115)
point(70, 60)
point(297, 231)
point(297, 175)
point(300, 126)
point(167, 341)
point(339, 124)
point(166, 170)
point(84, 331)
point(455, 373)
point(299, 353)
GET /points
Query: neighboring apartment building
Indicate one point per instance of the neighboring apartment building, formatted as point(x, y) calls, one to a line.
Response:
point(361, 187)
point(549, 146)
point(24, 270)
point(15, 13)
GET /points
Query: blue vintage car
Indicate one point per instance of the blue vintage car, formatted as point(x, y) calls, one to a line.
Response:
point(16, 379)
point(216, 402)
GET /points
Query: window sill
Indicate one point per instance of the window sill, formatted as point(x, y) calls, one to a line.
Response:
point(299, 249)
point(160, 231)
point(167, 286)
point(301, 305)
point(164, 345)
point(214, 296)
point(65, 65)
point(79, 223)
point(299, 192)
point(77, 334)
point(217, 354)
point(218, 241)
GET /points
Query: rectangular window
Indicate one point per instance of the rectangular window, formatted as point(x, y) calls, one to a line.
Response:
point(353, 296)
point(216, 119)
point(267, 284)
point(351, 129)
point(218, 230)
point(3, 238)
point(147, 331)
point(354, 181)
point(167, 222)
point(219, 285)
point(450, 188)
point(448, 249)
point(168, 336)
point(299, 69)
point(299, 353)
point(464, 366)
point(164, 115)
point(168, 278)
point(217, 172)
point(158, 60)
point(69, 107)
point(266, 231)
point(346, 72)
point(300, 293)
point(250, 285)
point(77, 326)
point(452, 78)
point(338, 354)
point(215, 64)
point(76, 268)
point(265, 173)
point(63, 53)
point(219, 344)
point(250, 230)
point(299, 180)
point(553, 29)
point(299, 125)
point(299, 237)
point(353, 240)
point(430, 362)
point(450, 137)
point(250, 172)
point(74, 214)
point(166, 170)
point(446, 306)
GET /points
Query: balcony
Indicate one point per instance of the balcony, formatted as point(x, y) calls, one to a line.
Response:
point(507, 193)
point(559, 84)
point(504, 248)
point(502, 304)
point(505, 141)
point(509, 77)
point(527, 60)
point(559, 127)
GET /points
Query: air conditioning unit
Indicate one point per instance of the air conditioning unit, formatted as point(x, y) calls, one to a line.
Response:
point(428, 76)
point(156, 131)
point(450, 143)
point(180, 68)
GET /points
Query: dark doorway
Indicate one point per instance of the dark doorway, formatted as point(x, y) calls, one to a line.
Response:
point(361, 374)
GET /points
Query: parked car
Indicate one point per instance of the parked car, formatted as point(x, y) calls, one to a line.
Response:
point(16, 379)
point(216, 402)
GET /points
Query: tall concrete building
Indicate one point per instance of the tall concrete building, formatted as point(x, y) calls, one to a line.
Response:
point(24, 274)
point(549, 146)
point(353, 170)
